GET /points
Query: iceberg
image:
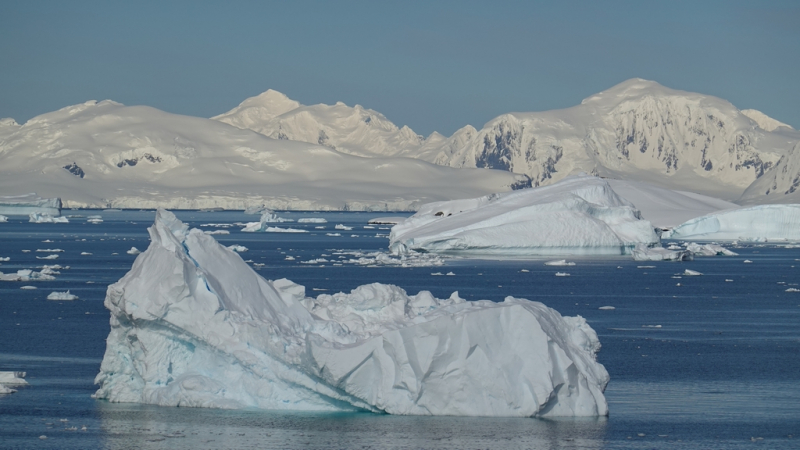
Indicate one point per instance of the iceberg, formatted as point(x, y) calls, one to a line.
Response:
point(709, 250)
point(11, 379)
point(312, 220)
point(645, 253)
point(193, 325)
point(267, 216)
point(754, 223)
point(61, 296)
point(22, 205)
point(580, 215)
point(3, 218)
point(46, 218)
point(29, 275)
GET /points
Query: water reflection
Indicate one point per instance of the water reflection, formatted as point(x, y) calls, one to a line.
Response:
point(141, 426)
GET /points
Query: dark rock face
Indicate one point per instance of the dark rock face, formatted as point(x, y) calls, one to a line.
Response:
point(132, 162)
point(75, 170)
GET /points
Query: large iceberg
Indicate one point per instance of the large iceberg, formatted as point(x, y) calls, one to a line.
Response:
point(754, 223)
point(193, 325)
point(22, 205)
point(578, 215)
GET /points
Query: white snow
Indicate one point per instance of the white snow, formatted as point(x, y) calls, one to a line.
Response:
point(311, 220)
point(578, 215)
point(764, 121)
point(708, 249)
point(35, 217)
point(755, 223)
point(607, 308)
point(193, 325)
point(55, 295)
point(237, 248)
point(212, 232)
point(133, 251)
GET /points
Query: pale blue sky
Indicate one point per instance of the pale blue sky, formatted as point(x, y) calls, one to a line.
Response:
point(432, 65)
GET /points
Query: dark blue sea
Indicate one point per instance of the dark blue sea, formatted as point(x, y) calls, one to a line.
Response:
point(708, 363)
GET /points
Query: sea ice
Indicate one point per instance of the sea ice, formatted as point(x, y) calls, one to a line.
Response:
point(578, 215)
point(193, 325)
point(644, 253)
point(755, 223)
point(312, 220)
point(559, 262)
point(53, 256)
point(11, 379)
point(709, 250)
point(46, 218)
point(61, 296)
point(237, 248)
point(267, 217)
point(3, 218)
point(133, 251)
point(691, 273)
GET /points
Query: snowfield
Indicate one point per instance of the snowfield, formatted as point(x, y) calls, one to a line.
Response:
point(580, 215)
point(193, 325)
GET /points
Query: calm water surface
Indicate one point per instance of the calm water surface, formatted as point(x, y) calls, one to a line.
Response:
point(708, 363)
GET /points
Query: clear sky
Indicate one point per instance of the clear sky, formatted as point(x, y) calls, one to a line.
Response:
point(431, 65)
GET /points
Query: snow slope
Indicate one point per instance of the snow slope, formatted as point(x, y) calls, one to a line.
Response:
point(780, 185)
point(578, 215)
point(755, 223)
point(109, 155)
point(353, 130)
point(193, 325)
point(637, 131)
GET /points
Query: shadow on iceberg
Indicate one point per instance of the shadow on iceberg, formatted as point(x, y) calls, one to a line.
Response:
point(193, 325)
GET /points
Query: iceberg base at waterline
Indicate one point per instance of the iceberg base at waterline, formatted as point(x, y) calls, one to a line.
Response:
point(760, 223)
point(193, 325)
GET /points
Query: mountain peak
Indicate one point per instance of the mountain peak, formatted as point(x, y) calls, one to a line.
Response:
point(265, 105)
point(634, 87)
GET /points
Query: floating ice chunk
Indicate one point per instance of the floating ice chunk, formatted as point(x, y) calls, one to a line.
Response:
point(709, 250)
point(562, 274)
point(450, 274)
point(46, 218)
point(559, 262)
point(651, 326)
point(94, 221)
point(728, 280)
point(754, 223)
point(333, 234)
point(342, 227)
point(607, 308)
point(525, 270)
point(312, 220)
point(53, 256)
point(577, 215)
point(691, 273)
point(85, 254)
point(267, 216)
point(644, 253)
point(5, 258)
point(640, 267)
point(61, 296)
point(133, 251)
point(49, 250)
point(283, 230)
point(217, 232)
point(237, 248)
point(747, 261)
point(11, 379)
point(232, 339)
point(792, 290)
point(29, 203)
point(3, 218)
point(319, 228)
point(28, 287)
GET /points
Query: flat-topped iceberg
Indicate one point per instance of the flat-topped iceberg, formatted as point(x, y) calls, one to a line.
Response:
point(578, 215)
point(755, 223)
point(22, 205)
point(11, 379)
point(45, 218)
point(193, 325)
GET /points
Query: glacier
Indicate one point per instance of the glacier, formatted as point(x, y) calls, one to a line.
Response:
point(580, 215)
point(22, 205)
point(193, 325)
point(754, 223)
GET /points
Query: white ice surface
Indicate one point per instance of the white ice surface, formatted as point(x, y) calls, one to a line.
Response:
point(22, 205)
point(644, 253)
point(3, 218)
point(55, 295)
point(754, 223)
point(35, 217)
point(578, 215)
point(193, 325)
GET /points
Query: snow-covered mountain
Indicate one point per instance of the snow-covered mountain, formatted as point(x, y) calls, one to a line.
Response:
point(637, 130)
point(779, 185)
point(109, 155)
point(353, 130)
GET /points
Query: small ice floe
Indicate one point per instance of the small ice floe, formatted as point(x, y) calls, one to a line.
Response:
point(333, 234)
point(450, 274)
point(354, 235)
point(342, 227)
point(677, 284)
point(289, 258)
point(674, 247)
point(312, 220)
point(27, 275)
point(437, 274)
point(369, 227)
point(525, 270)
point(641, 267)
point(217, 232)
point(25, 251)
point(3, 218)
point(747, 261)
point(320, 227)
point(691, 273)
point(607, 308)
point(53, 256)
point(559, 262)
point(49, 250)
point(641, 252)
point(792, 290)
point(28, 287)
point(237, 248)
point(728, 280)
point(315, 261)
point(283, 230)
point(562, 274)
point(86, 254)
point(95, 220)
point(133, 251)
point(676, 277)
point(709, 250)
point(46, 218)
point(217, 225)
point(11, 379)
point(5, 258)
point(651, 326)
point(55, 295)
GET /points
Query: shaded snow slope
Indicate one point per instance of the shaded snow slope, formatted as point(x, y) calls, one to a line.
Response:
point(764, 121)
point(638, 131)
point(578, 215)
point(193, 325)
point(780, 185)
point(754, 223)
point(109, 155)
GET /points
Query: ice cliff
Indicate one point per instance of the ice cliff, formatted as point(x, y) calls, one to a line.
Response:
point(755, 223)
point(193, 325)
point(22, 205)
point(578, 215)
